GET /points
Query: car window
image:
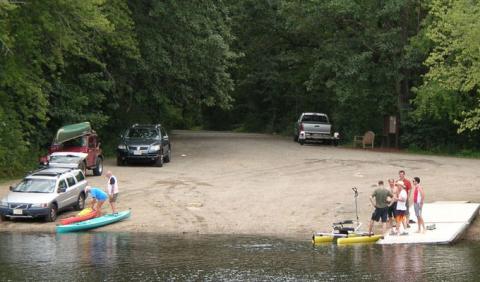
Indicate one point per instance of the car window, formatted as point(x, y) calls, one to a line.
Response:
point(77, 142)
point(163, 132)
point(79, 176)
point(142, 133)
point(62, 184)
point(71, 181)
point(65, 159)
point(34, 185)
point(91, 142)
point(315, 118)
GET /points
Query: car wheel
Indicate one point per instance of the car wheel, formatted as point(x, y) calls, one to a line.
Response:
point(168, 157)
point(80, 205)
point(98, 170)
point(159, 161)
point(120, 162)
point(295, 138)
point(335, 143)
point(52, 213)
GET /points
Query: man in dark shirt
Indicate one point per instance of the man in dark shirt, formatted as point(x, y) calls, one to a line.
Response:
point(380, 199)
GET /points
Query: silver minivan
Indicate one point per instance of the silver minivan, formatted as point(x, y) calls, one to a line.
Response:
point(44, 193)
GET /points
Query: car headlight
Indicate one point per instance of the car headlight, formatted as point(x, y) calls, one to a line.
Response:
point(122, 147)
point(41, 205)
point(154, 148)
point(3, 204)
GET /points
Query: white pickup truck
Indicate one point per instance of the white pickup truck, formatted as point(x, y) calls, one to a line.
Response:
point(314, 127)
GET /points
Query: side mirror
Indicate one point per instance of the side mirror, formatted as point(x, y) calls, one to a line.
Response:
point(11, 188)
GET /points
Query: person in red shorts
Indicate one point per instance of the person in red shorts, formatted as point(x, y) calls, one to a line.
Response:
point(408, 189)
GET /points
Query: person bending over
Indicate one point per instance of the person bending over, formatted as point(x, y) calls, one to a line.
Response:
point(98, 198)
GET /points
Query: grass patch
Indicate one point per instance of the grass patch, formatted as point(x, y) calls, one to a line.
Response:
point(445, 151)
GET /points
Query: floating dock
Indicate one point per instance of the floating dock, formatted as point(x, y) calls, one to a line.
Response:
point(447, 221)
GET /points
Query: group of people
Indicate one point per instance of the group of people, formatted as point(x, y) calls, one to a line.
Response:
point(99, 196)
point(392, 204)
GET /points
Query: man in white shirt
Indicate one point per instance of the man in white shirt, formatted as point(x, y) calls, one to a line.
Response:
point(400, 212)
point(112, 190)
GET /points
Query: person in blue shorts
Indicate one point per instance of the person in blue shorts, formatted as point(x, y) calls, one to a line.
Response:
point(98, 198)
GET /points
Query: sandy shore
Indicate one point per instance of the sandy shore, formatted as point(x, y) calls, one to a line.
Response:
point(231, 183)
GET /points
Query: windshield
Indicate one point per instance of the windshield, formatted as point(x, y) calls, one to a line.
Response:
point(65, 159)
point(315, 118)
point(35, 186)
point(142, 133)
point(77, 142)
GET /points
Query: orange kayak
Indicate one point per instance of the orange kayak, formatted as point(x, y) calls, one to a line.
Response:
point(79, 217)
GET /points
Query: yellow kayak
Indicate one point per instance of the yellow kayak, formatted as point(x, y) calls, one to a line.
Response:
point(85, 211)
point(359, 239)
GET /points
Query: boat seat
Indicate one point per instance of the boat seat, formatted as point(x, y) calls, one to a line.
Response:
point(349, 221)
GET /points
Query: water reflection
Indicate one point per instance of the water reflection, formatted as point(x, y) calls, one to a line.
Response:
point(125, 257)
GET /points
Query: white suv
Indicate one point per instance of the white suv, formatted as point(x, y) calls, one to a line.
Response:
point(44, 193)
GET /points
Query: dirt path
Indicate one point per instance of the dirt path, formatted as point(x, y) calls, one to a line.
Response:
point(231, 183)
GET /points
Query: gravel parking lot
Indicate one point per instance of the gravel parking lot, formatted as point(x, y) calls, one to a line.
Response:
point(234, 183)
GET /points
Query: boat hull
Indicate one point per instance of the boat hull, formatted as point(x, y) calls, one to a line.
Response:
point(359, 239)
point(320, 239)
point(93, 223)
point(72, 131)
point(82, 216)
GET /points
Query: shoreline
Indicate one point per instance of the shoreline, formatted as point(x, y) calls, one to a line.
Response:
point(471, 234)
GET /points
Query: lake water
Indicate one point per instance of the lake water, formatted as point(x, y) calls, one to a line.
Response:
point(145, 257)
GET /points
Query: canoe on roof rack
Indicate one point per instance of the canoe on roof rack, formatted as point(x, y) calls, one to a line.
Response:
point(72, 131)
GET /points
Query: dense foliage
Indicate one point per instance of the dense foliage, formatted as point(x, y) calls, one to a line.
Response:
point(251, 65)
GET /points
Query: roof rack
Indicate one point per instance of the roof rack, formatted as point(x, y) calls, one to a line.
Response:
point(156, 125)
point(36, 170)
point(49, 171)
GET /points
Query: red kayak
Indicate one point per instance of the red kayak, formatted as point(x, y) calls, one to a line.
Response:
point(78, 218)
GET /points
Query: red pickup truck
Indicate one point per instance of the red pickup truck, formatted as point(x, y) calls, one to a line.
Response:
point(78, 138)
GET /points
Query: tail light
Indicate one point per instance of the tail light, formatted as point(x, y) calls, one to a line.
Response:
point(301, 126)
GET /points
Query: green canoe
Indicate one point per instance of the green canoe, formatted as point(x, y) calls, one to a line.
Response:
point(93, 223)
point(72, 131)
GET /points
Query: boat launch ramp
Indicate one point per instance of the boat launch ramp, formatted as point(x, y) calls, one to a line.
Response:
point(445, 222)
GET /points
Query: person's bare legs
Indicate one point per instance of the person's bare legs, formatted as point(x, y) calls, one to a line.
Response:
point(370, 227)
point(421, 224)
point(99, 208)
point(384, 228)
point(397, 226)
point(113, 206)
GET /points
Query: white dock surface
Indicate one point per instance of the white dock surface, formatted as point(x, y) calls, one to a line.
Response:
point(450, 219)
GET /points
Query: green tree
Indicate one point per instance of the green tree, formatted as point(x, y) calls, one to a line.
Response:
point(451, 86)
point(185, 59)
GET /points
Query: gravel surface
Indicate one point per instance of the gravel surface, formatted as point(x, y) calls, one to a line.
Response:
point(234, 183)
